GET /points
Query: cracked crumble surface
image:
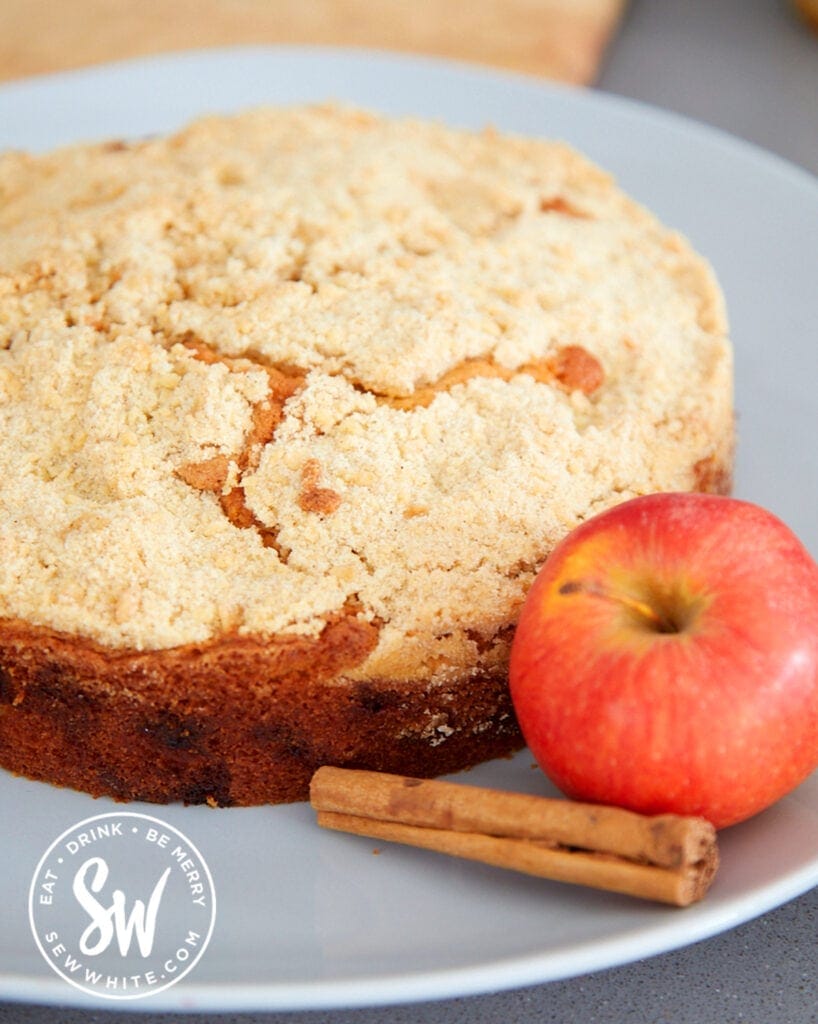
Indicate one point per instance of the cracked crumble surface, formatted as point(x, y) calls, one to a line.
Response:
point(291, 360)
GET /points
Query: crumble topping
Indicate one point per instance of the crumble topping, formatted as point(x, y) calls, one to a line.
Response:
point(295, 361)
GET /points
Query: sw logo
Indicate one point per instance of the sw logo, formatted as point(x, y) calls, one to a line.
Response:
point(131, 919)
point(108, 921)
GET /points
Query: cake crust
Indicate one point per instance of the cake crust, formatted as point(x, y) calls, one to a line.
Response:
point(293, 405)
point(233, 721)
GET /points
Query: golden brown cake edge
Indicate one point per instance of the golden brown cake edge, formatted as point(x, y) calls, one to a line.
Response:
point(232, 722)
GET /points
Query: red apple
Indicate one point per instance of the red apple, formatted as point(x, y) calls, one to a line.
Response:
point(666, 659)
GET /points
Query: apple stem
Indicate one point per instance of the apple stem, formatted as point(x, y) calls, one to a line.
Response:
point(640, 608)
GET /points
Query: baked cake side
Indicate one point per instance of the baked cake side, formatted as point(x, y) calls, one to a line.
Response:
point(293, 405)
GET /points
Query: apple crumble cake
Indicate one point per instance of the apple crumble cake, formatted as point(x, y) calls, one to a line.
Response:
point(293, 405)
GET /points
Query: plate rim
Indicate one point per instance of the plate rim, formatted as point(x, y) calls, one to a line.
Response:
point(661, 116)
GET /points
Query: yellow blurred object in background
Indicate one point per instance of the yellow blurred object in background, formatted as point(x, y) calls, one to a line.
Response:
point(561, 39)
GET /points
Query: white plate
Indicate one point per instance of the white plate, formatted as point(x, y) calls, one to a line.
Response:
point(310, 919)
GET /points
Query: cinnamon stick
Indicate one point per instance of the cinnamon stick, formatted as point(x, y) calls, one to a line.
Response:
point(666, 857)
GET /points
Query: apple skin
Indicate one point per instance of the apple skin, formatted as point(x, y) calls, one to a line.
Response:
point(666, 659)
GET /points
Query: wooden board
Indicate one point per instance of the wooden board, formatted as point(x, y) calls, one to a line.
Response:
point(559, 39)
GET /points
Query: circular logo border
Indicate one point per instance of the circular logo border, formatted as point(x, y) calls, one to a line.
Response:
point(90, 990)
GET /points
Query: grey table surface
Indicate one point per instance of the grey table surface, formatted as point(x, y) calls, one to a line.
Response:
point(749, 68)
